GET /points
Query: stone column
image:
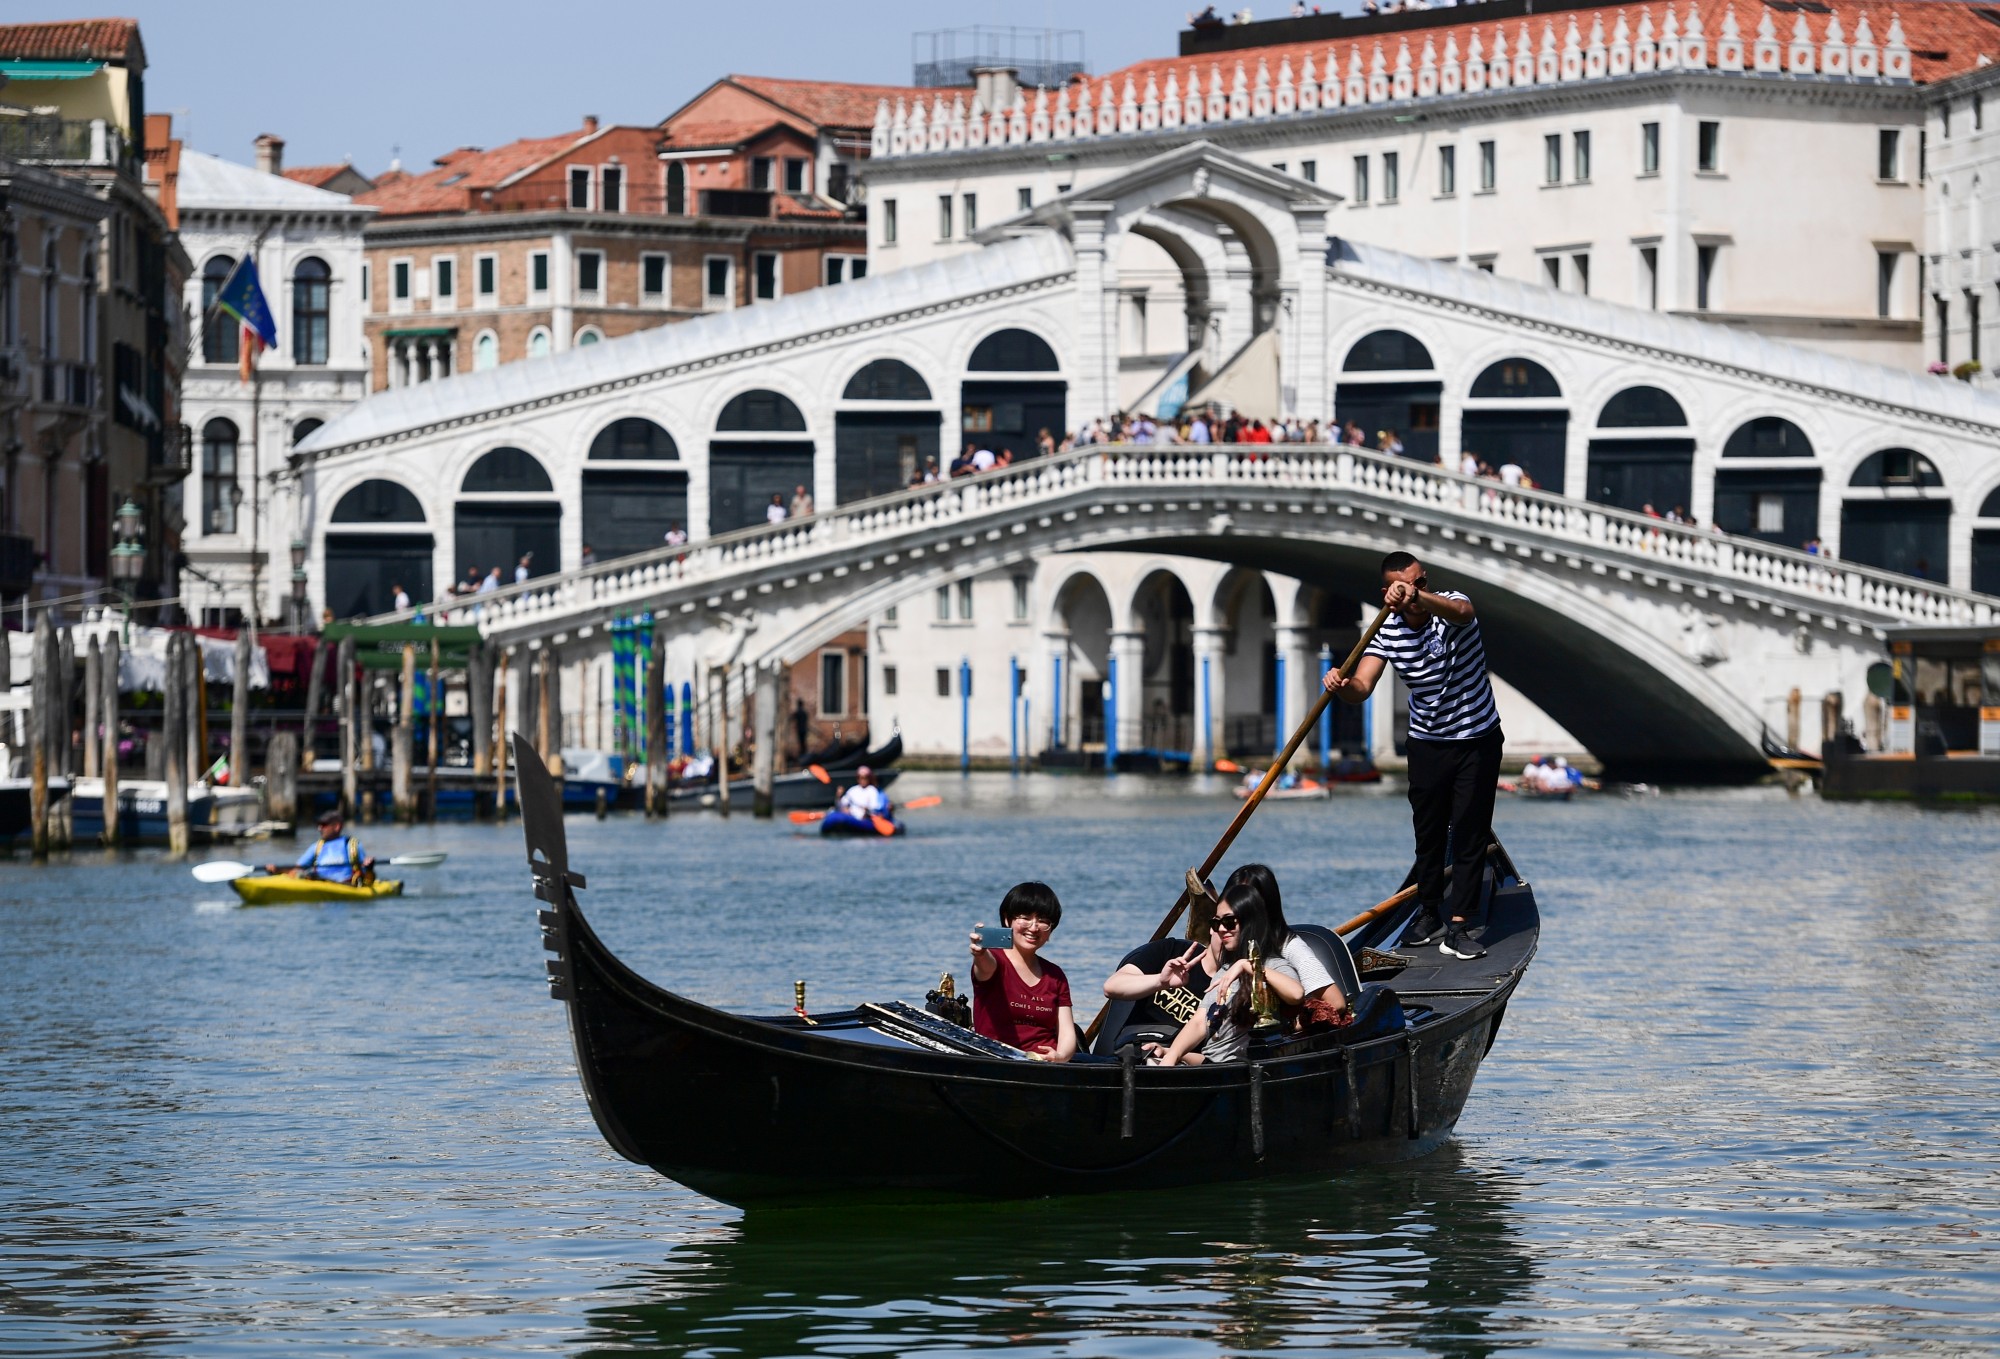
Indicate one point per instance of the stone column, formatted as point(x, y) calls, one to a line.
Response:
point(1128, 649)
point(1301, 673)
point(1238, 312)
point(766, 720)
point(1210, 695)
point(1057, 683)
point(1093, 389)
point(1306, 359)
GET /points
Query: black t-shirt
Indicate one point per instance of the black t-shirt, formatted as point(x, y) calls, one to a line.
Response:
point(1174, 1006)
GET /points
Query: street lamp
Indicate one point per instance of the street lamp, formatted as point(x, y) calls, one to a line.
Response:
point(128, 556)
point(299, 583)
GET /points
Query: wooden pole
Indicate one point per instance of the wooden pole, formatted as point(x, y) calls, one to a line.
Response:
point(479, 702)
point(239, 713)
point(500, 737)
point(174, 733)
point(1256, 797)
point(365, 688)
point(113, 831)
point(197, 670)
point(42, 682)
point(281, 778)
point(315, 691)
point(64, 755)
point(93, 693)
point(349, 700)
point(434, 714)
point(720, 716)
point(766, 721)
point(657, 737)
point(401, 785)
point(542, 741)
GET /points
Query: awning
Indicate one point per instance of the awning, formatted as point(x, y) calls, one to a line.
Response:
point(380, 646)
point(49, 70)
point(420, 332)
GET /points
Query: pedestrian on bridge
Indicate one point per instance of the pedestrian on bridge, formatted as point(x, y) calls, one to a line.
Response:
point(1433, 640)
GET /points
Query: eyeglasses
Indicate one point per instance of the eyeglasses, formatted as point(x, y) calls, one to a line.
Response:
point(1227, 923)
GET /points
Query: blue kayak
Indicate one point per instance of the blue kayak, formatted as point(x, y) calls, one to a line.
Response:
point(838, 822)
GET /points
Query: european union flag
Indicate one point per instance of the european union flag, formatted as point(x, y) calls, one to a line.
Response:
point(242, 298)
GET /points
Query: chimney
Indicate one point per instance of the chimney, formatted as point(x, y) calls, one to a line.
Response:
point(270, 154)
point(589, 123)
point(995, 86)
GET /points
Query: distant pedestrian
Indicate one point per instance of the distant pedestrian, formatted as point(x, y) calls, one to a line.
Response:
point(522, 569)
point(982, 460)
point(588, 557)
point(401, 596)
point(491, 583)
point(802, 502)
point(1511, 473)
point(801, 726)
point(676, 535)
point(774, 513)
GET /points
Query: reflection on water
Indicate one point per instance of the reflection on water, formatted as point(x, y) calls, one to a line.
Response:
point(1424, 1257)
point(1742, 1103)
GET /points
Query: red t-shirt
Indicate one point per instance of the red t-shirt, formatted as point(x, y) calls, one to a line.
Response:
point(1006, 1007)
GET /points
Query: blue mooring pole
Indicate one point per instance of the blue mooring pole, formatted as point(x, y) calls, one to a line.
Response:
point(964, 715)
point(1013, 715)
point(1326, 715)
point(1280, 663)
point(1055, 705)
point(1111, 716)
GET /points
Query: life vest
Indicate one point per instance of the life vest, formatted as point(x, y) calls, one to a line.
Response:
point(336, 860)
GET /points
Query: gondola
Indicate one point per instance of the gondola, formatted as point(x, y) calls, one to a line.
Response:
point(888, 1101)
point(789, 792)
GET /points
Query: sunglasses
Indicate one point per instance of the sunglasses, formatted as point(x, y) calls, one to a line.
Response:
point(1224, 922)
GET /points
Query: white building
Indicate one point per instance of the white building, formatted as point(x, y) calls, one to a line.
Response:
point(240, 521)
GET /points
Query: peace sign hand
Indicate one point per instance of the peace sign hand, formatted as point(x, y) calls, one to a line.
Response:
point(1175, 971)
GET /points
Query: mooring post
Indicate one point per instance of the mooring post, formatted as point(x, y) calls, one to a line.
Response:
point(719, 681)
point(1013, 715)
point(93, 694)
point(174, 734)
point(479, 706)
point(41, 680)
point(315, 691)
point(552, 701)
point(658, 733)
point(400, 783)
point(64, 755)
point(1793, 704)
point(964, 715)
point(433, 719)
point(113, 836)
point(500, 737)
point(766, 720)
point(239, 713)
point(194, 666)
point(350, 725)
point(1326, 715)
point(281, 779)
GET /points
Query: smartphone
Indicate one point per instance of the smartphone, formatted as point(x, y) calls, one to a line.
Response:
point(996, 936)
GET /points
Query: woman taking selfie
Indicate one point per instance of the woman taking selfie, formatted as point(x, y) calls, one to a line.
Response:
point(1018, 998)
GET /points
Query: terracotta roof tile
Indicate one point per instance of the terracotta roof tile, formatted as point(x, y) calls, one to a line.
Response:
point(318, 176)
point(75, 40)
point(722, 133)
point(1946, 37)
point(828, 103)
point(460, 175)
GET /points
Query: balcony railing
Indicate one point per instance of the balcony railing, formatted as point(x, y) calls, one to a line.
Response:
point(170, 455)
point(75, 141)
point(67, 384)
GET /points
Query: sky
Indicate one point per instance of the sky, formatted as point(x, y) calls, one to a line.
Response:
point(368, 80)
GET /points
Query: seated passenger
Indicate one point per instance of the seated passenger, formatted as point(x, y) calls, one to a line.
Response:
point(1166, 978)
point(334, 857)
point(863, 799)
point(1018, 998)
point(1220, 1030)
point(1315, 983)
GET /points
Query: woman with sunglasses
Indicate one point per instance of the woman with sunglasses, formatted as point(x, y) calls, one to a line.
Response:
point(1019, 998)
point(1314, 982)
point(1220, 1030)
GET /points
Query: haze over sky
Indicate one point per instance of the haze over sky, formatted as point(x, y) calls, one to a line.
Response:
point(363, 78)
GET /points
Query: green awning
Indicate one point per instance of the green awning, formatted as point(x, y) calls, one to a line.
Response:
point(420, 332)
point(49, 70)
point(380, 646)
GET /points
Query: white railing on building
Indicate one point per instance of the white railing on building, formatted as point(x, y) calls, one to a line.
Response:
point(1196, 100)
point(832, 542)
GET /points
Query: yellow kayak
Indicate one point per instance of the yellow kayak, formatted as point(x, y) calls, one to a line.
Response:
point(279, 890)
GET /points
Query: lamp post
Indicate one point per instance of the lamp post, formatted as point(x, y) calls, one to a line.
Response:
point(299, 584)
point(128, 557)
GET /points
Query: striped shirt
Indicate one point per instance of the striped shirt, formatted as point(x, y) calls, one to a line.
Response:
point(1443, 665)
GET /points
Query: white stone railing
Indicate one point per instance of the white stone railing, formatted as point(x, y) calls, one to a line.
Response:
point(719, 570)
point(1195, 101)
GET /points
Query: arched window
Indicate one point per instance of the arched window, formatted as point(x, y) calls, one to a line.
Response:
point(887, 380)
point(538, 343)
point(1896, 467)
point(1516, 379)
point(588, 335)
point(485, 351)
point(631, 439)
point(303, 428)
point(311, 285)
point(378, 502)
point(1642, 408)
point(1768, 436)
point(507, 471)
point(677, 189)
point(760, 412)
point(1991, 509)
point(220, 491)
point(1013, 351)
point(1387, 351)
point(219, 329)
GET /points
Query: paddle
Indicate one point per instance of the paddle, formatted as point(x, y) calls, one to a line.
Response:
point(430, 859)
point(1228, 767)
point(1250, 803)
point(224, 870)
point(819, 773)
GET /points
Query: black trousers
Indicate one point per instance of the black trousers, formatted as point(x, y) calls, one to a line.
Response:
point(1452, 786)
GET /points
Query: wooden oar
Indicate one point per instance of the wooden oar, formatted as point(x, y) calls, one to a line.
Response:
point(1264, 785)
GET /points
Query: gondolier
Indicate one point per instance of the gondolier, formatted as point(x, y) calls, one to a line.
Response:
point(1433, 640)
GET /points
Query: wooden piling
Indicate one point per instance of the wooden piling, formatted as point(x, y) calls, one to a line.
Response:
point(42, 682)
point(239, 714)
point(365, 690)
point(541, 692)
point(349, 689)
point(552, 696)
point(1792, 732)
point(766, 727)
point(174, 735)
point(479, 706)
point(500, 737)
point(93, 691)
point(434, 719)
point(113, 831)
point(401, 785)
point(197, 672)
point(1829, 720)
point(657, 737)
point(64, 735)
point(281, 779)
point(315, 692)
point(720, 716)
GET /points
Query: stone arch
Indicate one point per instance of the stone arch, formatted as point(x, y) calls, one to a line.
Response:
point(1642, 406)
point(880, 449)
point(1007, 408)
point(506, 470)
point(1778, 501)
point(760, 410)
point(1162, 713)
point(1387, 349)
point(628, 438)
point(378, 500)
point(886, 379)
point(378, 539)
point(628, 500)
point(1641, 451)
point(1515, 412)
point(762, 446)
point(1013, 349)
point(1515, 378)
point(507, 513)
point(1080, 632)
point(1890, 518)
point(1896, 467)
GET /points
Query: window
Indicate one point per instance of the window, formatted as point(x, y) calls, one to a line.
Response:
point(613, 180)
point(366, 280)
point(1024, 199)
point(1447, 171)
point(1943, 329)
point(304, 428)
point(943, 682)
point(1923, 155)
point(889, 615)
point(1708, 148)
point(944, 216)
point(579, 186)
point(1978, 118)
point(1704, 276)
point(888, 221)
point(971, 203)
point(485, 351)
point(795, 175)
point(766, 265)
point(1579, 273)
point(538, 272)
point(538, 343)
point(677, 189)
point(399, 281)
point(486, 276)
point(965, 601)
point(1972, 324)
point(832, 683)
point(888, 681)
point(311, 283)
point(1279, 166)
point(588, 335)
point(1649, 148)
point(1770, 509)
point(1944, 121)
point(219, 329)
point(1885, 283)
point(849, 268)
point(1552, 159)
point(1889, 154)
point(943, 604)
point(653, 276)
point(1392, 176)
point(718, 281)
point(1309, 171)
point(1361, 179)
point(220, 492)
point(1489, 167)
point(1484, 263)
point(1649, 277)
point(1580, 156)
point(760, 172)
point(446, 282)
point(589, 272)
point(1552, 270)
point(1020, 599)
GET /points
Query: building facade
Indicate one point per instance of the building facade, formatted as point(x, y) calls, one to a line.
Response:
point(307, 247)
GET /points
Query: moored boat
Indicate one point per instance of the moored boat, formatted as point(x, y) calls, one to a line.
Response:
point(281, 889)
point(142, 809)
point(894, 1101)
point(789, 792)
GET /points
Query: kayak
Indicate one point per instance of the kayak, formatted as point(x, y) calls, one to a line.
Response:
point(280, 890)
point(840, 823)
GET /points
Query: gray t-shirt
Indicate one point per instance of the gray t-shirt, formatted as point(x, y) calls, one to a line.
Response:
point(1227, 1038)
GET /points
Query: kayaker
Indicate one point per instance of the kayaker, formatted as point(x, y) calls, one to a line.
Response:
point(862, 799)
point(334, 857)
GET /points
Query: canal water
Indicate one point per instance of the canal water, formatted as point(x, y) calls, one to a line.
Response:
point(1744, 1101)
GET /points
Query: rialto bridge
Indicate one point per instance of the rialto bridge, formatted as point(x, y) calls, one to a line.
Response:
point(1659, 646)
